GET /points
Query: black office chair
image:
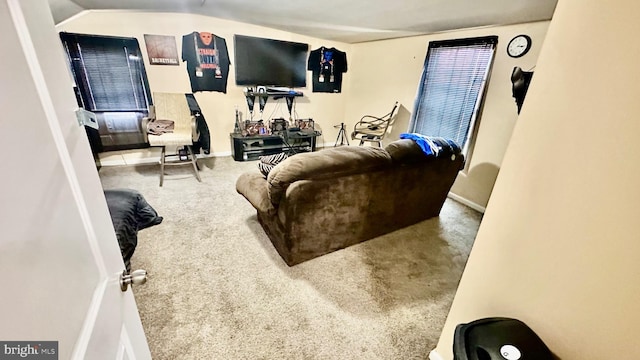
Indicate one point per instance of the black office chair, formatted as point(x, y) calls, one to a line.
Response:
point(373, 128)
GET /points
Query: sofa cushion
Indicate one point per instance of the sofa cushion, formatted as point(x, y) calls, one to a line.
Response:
point(406, 151)
point(325, 164)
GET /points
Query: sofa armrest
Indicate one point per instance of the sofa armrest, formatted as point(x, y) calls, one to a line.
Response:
point(253, 186)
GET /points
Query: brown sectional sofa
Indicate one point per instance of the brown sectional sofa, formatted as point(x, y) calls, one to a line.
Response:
point(315, 203)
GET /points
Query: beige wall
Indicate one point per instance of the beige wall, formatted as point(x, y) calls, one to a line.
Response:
point(379, 73)
point(558, 247)
point(384, 71)
point(218, 108)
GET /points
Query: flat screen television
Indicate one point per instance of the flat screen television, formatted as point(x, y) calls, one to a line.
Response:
point(269, 62)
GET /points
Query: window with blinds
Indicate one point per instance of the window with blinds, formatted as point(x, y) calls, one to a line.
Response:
point(111, 81)
point(453, 81)
point(109, 72)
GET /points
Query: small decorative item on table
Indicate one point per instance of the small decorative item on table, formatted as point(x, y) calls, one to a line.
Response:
point(305, 124)
point(253, 128)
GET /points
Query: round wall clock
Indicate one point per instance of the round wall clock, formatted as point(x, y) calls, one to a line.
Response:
point(519, 45)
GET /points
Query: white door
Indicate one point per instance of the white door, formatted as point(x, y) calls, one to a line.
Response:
point(59, 258)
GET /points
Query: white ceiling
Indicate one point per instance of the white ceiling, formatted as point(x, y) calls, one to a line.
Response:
point(349, 21)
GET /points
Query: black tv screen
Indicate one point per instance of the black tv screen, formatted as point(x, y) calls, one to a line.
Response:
point(269, 62)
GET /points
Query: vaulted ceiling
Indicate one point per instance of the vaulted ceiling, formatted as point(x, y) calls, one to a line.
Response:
point(349, 21)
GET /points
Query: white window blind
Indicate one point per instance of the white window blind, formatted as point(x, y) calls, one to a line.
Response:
point(453, 81)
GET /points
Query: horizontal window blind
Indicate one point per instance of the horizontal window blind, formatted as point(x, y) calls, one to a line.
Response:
point(109, 72)
point(453, 79)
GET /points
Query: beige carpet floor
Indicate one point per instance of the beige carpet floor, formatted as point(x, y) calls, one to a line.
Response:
point(218, 289)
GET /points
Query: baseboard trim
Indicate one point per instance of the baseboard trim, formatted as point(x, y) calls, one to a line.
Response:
point(325, 145)
point(153, 160)
point(219, 154)
point(433, 355)
point(123, 161)
point(332, 144)
point(467, 202)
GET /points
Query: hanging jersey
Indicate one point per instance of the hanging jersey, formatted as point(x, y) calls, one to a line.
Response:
point(207, 61)
point(327, 66)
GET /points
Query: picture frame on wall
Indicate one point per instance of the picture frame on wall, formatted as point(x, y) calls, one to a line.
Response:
point(162, 49)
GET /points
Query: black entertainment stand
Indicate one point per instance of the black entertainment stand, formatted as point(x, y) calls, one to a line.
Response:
point(245, 148)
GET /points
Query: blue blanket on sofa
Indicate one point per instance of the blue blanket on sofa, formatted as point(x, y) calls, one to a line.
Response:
point(433, 145)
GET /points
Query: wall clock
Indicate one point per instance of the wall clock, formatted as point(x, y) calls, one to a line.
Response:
point(519, 45)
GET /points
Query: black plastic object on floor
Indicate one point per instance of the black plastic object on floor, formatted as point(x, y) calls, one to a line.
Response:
point(498, 339)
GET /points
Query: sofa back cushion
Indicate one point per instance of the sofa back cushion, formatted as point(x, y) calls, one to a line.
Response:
point(324, 164)
point(407, 151)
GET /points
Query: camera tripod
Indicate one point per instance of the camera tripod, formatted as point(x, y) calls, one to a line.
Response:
point(342, 136)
